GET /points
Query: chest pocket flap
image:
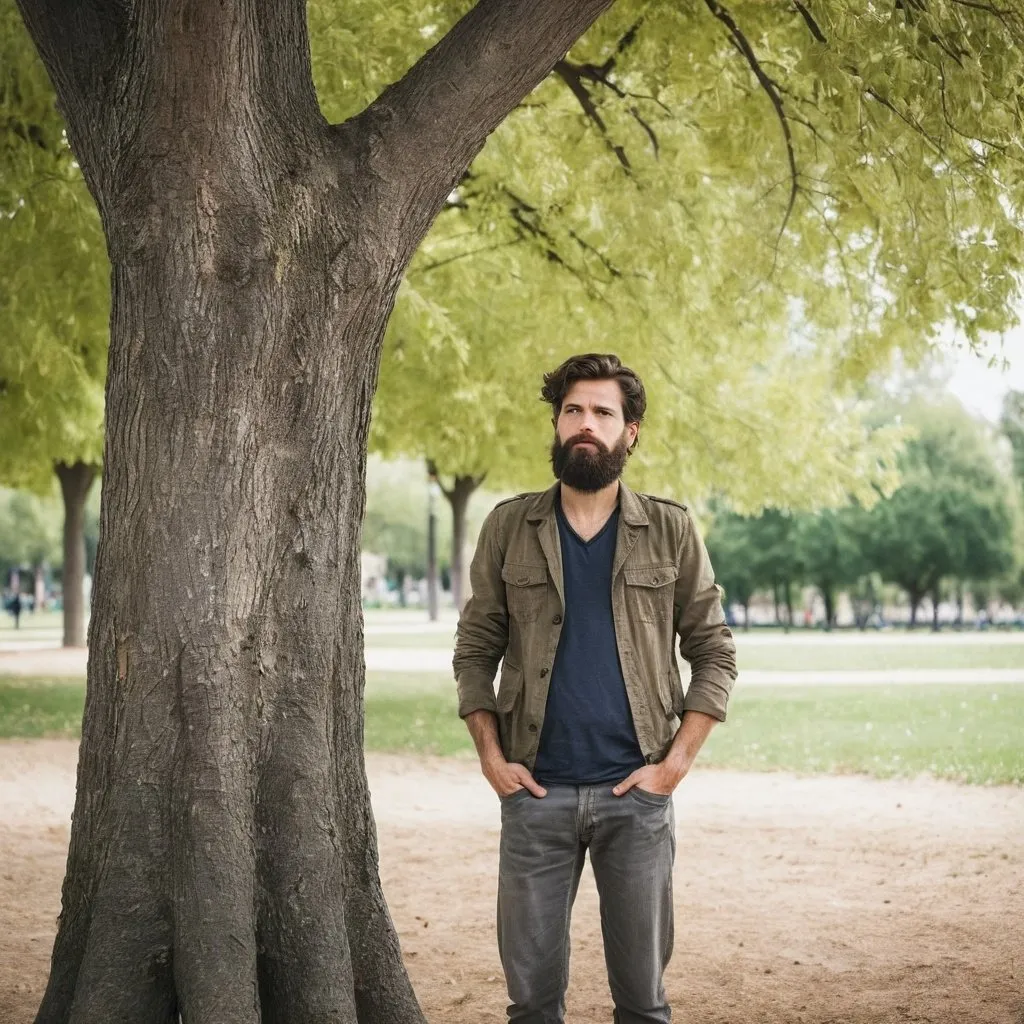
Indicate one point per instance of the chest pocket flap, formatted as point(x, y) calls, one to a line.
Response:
point(517, 575)
point(651, 575)
point(525, 590)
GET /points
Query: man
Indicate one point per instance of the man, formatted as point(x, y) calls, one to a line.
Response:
point(581, 590)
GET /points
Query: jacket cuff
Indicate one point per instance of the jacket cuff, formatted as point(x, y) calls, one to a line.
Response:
point(476, 692)
point(708, 696)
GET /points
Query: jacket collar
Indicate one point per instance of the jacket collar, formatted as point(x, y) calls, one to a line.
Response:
point(542, 506)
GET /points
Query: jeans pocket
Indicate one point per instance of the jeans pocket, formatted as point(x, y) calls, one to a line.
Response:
point(651, 799)
point(514, 795)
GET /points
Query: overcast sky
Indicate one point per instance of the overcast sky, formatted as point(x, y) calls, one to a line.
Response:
point(980, 387)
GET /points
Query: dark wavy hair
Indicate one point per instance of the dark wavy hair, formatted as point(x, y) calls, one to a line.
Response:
point(594, 366)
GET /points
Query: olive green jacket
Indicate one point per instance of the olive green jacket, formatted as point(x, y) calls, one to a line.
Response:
point(662, 586)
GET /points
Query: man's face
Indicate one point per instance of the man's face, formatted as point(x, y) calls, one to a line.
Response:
point(592, 439)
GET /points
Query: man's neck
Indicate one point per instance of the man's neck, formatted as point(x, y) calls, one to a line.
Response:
point(590, 507)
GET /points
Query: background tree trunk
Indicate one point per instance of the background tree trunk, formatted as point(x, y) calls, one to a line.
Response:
point(458, 495)
point(828, 596)
point(75, 483)
point(915, 602)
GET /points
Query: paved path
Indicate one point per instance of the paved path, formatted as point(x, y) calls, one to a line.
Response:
point(60, 662)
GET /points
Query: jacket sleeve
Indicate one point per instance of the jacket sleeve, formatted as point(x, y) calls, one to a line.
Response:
point(482, 635)
point(705, 641)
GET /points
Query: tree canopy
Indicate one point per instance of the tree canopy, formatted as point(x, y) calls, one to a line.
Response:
point(755, 217)
point(848, 184)
point(54, 280)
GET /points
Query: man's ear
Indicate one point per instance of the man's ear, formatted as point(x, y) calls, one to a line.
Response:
point(634, 433)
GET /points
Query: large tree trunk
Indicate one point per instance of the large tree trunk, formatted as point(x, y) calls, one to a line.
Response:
point(223, 863)
point(223, 859)
point(75, 482)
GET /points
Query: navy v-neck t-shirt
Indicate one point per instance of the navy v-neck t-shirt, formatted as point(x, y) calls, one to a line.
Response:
point(588, 736)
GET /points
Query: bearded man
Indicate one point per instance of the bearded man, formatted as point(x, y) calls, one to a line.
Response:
point(580, 592)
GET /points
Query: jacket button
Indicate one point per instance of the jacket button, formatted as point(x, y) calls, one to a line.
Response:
point(557, 620)
point(533, 727)
point(654, 579)
point(543, 672)
point(522, 580)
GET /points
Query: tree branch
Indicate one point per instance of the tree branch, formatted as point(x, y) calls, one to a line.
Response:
point(425, 130)
point(773, 91)
point(79, 43)
point(570, 74)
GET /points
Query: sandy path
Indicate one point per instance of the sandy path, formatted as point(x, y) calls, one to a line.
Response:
point(798, 899)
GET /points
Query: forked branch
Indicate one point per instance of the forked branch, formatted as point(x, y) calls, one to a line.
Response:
point(427, 127)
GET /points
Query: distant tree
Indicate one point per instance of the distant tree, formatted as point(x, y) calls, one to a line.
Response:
point(1012, 424)
point(54, 307)
point(730, 543)
point(831, 552)
point(952, 516)
point(29, 531)
point(778, 564)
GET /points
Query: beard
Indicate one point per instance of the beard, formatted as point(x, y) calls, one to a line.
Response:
point(584, 469)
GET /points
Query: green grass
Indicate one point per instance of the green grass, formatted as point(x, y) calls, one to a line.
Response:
point(885, 654)
point(32, 708)
point(32, 623)
point(969, 734)
point(878, 654)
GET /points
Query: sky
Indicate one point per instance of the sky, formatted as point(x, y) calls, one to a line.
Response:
point(980, 387)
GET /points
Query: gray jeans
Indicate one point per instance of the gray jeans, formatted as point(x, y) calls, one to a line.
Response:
point(543, 844)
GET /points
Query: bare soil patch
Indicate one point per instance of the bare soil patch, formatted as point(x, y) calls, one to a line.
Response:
point(829, 899)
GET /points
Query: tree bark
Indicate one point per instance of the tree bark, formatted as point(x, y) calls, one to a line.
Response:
point(75, 483)
point(223, 858)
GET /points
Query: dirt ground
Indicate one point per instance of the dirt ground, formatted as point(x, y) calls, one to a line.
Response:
point(798, 899)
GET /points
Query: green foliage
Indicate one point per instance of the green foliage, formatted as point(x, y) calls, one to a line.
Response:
point(30, 530)
point(753, 299)
point(953, 515)
point(53, 280)
point(1012, 423)
point(395, 521)
point(735, 556)
point(831, 551)
point(754, 205)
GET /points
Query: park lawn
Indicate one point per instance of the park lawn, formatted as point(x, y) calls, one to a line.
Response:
point(32, 625)
point(968, 734)
point(33, 708)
